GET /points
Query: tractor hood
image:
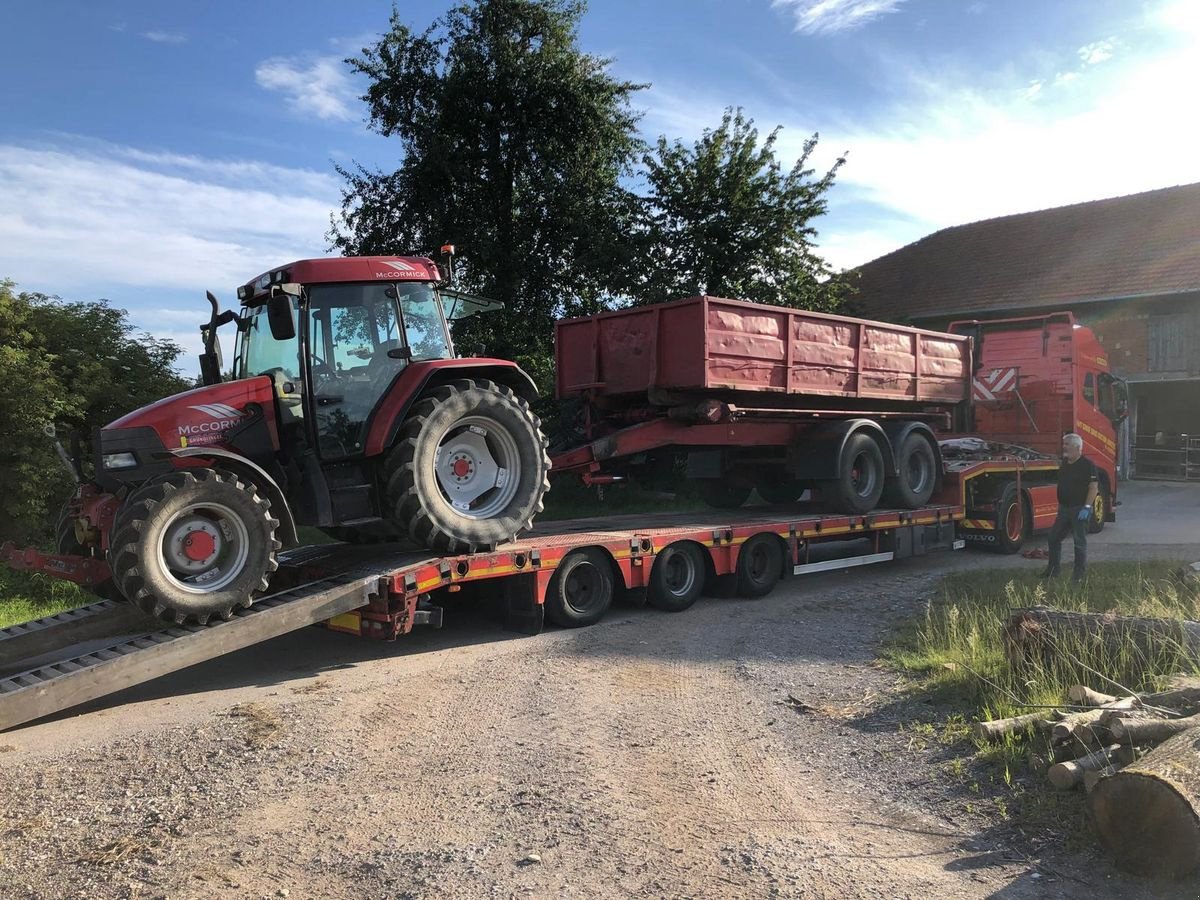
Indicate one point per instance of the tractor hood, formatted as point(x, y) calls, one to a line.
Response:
point(199, 417)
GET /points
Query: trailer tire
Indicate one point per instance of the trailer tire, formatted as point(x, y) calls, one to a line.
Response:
point(468, 423)
point(759, 565)
point(721, 494)
point(916, 474)
point(859, 485)
point(1011, 522)
point(230, 522)
point(581, 589)
point(677, 577)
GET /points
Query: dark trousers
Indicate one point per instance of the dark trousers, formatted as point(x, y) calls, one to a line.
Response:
point(1067, 522)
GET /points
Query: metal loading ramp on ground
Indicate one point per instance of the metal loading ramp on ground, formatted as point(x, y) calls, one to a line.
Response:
point(69, 672)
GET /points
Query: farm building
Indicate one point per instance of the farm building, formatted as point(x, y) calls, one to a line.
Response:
point(1128, 267)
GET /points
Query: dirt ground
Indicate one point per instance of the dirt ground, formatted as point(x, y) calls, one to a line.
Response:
point(740, 749)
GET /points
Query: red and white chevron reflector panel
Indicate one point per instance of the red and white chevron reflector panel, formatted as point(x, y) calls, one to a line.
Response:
point(994, 384)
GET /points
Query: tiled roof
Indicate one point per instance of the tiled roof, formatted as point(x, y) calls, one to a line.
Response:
point(1121, 247)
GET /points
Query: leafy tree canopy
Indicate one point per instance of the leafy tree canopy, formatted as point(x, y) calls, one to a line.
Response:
point(77, 366)
point(514, 143)
point(723, 217)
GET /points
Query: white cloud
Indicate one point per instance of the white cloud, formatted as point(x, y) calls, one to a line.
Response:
point(321, 88)
point(165, 37)
point(121, 217)
point(828, 16)
point(1097, 52)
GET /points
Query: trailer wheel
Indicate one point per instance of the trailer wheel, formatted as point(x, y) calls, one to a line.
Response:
point(1099, 510)
point(860, 485)
point(194, 543)
point(581, 590)
point(780, 491)
point(916, 475)
point(759, 565)
point(469, 468)
point(677, 577)
point(720, 494)
point(1011, 525)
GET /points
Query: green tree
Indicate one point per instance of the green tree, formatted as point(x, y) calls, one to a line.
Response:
point(722, 217)
point(77, 366)
point(514, 143)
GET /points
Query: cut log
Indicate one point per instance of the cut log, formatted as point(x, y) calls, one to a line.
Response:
point(1033, 634)
point(998, 728)
point(1148, 814)
point(1150, 731)
point(1069, 774)
point(1066, 727)
point(1082, 695)
point(1091, 779)
point(1185, 699)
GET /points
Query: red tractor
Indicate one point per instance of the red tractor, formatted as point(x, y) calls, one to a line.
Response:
point(347, 410)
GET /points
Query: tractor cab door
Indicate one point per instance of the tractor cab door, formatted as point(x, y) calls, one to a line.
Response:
point(360, 338)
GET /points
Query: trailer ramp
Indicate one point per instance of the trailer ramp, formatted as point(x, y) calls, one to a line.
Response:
point(75, 674)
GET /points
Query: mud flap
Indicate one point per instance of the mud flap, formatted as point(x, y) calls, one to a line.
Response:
point(523, 611)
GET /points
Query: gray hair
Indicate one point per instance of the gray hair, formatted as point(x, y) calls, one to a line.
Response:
point(1074, 439)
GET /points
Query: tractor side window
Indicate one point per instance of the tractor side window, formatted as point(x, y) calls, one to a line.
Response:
point(424, 327)
point(262, 354)
point(1089, 389)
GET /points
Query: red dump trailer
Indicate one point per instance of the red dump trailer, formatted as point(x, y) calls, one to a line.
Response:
point(763, 397)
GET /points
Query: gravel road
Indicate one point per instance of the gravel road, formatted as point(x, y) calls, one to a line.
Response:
point(740, 749)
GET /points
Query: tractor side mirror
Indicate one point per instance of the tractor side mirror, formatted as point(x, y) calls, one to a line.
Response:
point(281, 315)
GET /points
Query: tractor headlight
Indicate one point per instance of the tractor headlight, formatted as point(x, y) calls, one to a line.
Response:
point(119, 461)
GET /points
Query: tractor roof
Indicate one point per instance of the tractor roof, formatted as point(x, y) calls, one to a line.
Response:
point(340, 269)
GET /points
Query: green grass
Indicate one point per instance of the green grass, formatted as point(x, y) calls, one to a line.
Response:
point(954, 653)
point(24, 596)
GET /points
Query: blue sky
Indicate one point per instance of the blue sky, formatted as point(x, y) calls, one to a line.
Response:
point(151, 150)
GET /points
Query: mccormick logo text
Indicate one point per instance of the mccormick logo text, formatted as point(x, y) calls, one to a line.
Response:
point(223, 417)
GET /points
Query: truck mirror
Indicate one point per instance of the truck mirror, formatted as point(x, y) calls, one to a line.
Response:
point(280, 314)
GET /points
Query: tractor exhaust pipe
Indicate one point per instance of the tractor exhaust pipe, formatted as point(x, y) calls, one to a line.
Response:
point(51, 432)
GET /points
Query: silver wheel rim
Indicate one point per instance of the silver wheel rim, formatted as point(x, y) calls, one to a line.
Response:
point(204, 548)
point(478, 467)
point(863, 475)
point(679, 573)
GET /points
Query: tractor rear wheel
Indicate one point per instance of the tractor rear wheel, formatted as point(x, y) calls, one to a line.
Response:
point(469, 468)
point(193, 544)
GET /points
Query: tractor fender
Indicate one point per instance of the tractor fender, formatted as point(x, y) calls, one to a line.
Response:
point(262, 479)
point(385, 422)
point(898, 431)
point(817, 455)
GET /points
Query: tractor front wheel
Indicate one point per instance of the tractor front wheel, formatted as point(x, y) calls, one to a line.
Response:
point(193, 544)
point(469, 468)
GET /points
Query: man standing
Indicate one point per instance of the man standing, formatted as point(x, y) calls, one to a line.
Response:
point(1077, 486)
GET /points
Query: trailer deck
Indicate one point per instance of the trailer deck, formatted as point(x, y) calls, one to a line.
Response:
point(382, 592)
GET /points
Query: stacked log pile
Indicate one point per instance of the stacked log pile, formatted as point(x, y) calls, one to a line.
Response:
point(1136, 755)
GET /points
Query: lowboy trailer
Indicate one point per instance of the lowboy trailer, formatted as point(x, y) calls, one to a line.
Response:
point(567, 572)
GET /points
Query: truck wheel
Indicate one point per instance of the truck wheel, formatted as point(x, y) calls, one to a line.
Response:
point(759, 565)
point(720, 494)
point(1010, 521)
point(581, 590)
point(66, 543)
point(677, 577)
point(193, 544)
point(1099, 510)
point(779, 491)
point(858, 489)
point(469, 468)
point(916, 475)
